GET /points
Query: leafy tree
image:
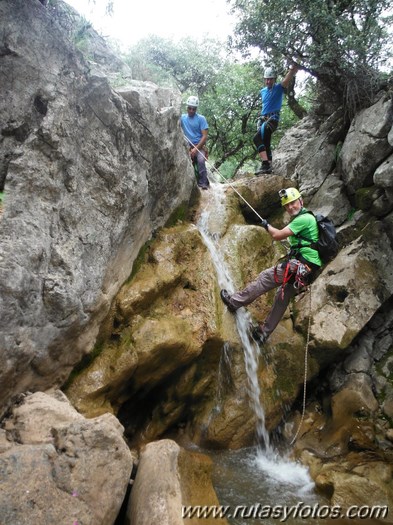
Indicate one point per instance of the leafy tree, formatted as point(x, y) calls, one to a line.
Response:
point(188, 64)
point(342, 43)
point(228, 92)
point(232, 106)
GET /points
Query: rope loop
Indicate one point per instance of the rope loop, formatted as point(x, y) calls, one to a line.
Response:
point(305, 372)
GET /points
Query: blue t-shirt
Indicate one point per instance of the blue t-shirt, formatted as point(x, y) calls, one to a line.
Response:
point(272, 99)
point(193, 126)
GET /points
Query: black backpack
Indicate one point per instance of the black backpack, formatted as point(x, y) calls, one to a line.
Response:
point(327, 244)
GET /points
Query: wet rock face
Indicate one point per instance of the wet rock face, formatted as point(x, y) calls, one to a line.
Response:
point(164, 339)
point(88, 174)
point(169, 357)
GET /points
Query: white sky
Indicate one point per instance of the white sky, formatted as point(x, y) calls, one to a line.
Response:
point(133, 20)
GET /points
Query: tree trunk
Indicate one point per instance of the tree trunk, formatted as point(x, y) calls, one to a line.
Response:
point(295, 106)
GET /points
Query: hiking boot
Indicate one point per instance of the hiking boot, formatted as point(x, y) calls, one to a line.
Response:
point(258, 334)
point(226, 299)
point(265, 168)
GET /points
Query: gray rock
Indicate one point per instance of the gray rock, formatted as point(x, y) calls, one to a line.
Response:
point(168, 478)
point(358, 361)
point(383, 175)
point(293, 146)
point(61, 467)
point(351, 289)
point(366, 144)
point(330, 199)
point(89, 175)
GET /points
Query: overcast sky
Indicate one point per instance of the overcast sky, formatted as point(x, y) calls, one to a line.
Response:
point(133, 20)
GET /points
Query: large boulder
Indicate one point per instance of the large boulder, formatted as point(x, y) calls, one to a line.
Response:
point(88, 175)
point(366, 145)
point(58, 467)
point(349, 292)
point(169, 481)
point(331, 200)
point(293, 145)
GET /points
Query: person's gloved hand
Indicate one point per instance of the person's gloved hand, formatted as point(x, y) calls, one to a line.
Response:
point(264, 224)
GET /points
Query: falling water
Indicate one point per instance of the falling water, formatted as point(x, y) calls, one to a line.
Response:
point(243, 319)
point(278, 475)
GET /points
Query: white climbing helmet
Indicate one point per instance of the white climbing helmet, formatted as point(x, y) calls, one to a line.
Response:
point(193, 102)
point(269, 73)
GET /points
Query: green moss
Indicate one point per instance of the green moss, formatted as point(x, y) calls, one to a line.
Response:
point(140, 259)
point(289, 370)
point(83, 364)
point(351, 213)
point(363, 198)
point(179, 214)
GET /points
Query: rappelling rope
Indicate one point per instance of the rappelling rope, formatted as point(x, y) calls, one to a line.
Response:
point(213, 168)
point(309, 317)
point(305, 372)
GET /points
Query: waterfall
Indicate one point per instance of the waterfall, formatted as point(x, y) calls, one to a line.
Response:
point(280, 470)
point(243, 319)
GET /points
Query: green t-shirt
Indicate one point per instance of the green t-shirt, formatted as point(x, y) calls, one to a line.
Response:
point(305, 224)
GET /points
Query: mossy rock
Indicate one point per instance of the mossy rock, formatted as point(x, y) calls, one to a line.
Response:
point(364, 198)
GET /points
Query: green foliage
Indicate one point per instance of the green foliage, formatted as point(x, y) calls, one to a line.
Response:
point(351, 213)
point(232, 107)
point(343, 43)
point(337, 151)
point(189, 65)
point(228, 91)
point(81, 35)
point(74, 25)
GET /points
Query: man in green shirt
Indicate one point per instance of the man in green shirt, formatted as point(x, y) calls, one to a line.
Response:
point(298, 269)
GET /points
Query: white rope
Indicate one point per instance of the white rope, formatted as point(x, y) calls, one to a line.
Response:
point(309, 316)
point(225, 180)
point(305, 373)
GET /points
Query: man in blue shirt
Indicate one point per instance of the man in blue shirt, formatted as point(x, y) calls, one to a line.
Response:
point(272, 96)
point(195, 129)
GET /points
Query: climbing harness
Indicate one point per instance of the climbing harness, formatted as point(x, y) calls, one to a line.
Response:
point(305, 373)
point(297, 275)
point(302, 270)
point(224, 179)
point(263, 119)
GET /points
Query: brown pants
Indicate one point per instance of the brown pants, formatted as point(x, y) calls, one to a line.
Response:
point(265, 282)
